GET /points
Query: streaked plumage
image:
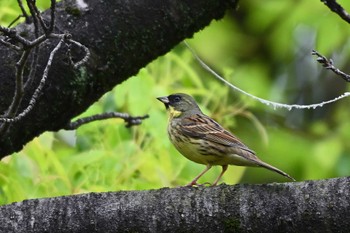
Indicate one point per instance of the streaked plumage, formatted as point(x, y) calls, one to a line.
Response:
point(202, 140)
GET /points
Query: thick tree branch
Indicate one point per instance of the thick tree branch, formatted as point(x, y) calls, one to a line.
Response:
point(122, 36)
point(311, 206)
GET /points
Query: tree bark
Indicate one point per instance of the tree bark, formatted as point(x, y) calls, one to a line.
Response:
point(122, 36)
point(310, 206)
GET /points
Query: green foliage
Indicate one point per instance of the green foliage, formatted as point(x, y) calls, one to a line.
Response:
point(9, 10)
point(265, 51)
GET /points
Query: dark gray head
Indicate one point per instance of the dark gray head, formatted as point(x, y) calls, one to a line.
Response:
point(179, 102)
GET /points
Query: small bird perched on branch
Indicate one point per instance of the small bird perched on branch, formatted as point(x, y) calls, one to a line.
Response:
point(202, 140)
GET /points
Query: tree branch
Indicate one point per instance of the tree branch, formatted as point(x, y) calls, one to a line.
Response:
point(310, 206)
point(119, 43)
point(24, 12)
point(337, 8)
point(328, 64)
point(129, 120)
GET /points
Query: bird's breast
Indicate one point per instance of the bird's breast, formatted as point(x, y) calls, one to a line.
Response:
point(194, 149)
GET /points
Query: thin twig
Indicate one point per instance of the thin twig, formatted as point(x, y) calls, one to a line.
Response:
point(40, 19)
point(43, 38)
point(33, 67)
point(14, 21)
point(37, 41)
point(38, 90)
point(12, 46)
point(85, 58)
point(11, 33)
point(129, 120)
point(17, 99)
point(24, 12)
point(19, 83)
point(267, 102)
point(31, 6)
point(328, 64)
point(46, 29)
point(27, 46)
point(338, 9)
point(52, 21)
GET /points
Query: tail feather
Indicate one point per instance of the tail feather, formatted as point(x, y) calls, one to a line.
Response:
point(272, 168)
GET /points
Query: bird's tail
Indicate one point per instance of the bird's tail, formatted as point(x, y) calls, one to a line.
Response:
point(272, 168)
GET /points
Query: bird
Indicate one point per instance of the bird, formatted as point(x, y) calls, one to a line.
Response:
point(202, 140)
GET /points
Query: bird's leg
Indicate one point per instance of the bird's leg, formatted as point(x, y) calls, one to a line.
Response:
point(224, 168)
point(194, 181)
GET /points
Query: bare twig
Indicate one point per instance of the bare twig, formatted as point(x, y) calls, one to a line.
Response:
point(37, 41)
point(36, 13)
point(19, 91)
point(11, 115)
point(328, 64)
point(52, 20)
point(26, 48)
point(129, 120)
point(37, 48)
point(85, 58)
point(14, 21)
point(31, 6)
point(33, 67)
point(25, 15)
point(338, 9)
point(27, 44)
point(38, 89)
point(11, 33)
point(12, 46)
point(264, 101)
point(19, 83)
point(11, 112)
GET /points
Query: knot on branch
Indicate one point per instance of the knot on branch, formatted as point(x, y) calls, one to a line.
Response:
point(131, 121)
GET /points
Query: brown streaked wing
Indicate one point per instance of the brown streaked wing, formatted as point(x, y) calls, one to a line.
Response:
point(202, 126)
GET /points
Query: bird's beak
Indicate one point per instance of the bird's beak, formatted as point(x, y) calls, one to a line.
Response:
point(164, 100)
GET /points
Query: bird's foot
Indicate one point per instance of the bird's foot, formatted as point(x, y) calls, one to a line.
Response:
point(198, 185)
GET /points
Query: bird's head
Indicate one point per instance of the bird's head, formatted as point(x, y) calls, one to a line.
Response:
point(179, 103)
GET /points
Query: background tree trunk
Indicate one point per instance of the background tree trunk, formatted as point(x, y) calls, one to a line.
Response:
point(310, 206)
point(122, 36)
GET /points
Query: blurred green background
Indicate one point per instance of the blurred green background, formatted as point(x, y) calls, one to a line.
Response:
point(264, 48)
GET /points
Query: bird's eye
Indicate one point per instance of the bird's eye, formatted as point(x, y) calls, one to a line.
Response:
point(177, 99)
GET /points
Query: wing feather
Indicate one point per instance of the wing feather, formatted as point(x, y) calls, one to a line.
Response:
point(201, 126)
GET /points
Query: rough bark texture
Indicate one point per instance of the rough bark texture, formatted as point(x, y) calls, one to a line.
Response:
point(311, 206)
point(123, 36)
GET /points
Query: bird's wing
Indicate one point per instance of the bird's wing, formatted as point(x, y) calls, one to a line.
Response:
point(202, 126)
